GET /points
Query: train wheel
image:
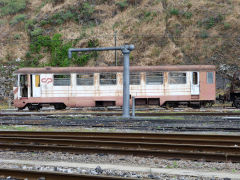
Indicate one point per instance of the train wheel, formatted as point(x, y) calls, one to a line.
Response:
point(207, 104)
point(171, 105)
point(59, 106)
point(33, 107)
point(237, 103)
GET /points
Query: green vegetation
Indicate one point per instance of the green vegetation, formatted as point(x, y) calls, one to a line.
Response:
point(226, 26)
point(36, 32)
point(122, 5)
point(8, 7)
point(58, 50)
point(58, 18)
point(211, 21)
point(29, 24)
point(175, 165)
point(81, 14)
point(174, 12)
point(203, 34)
point(187, 15)
point(148, 16)
point(86, 10)
point(17, 36)
point(18, 18)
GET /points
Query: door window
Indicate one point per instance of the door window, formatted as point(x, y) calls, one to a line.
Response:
point(195, 78)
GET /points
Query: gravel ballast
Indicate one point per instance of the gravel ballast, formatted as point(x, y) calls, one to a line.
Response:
point(173, 169)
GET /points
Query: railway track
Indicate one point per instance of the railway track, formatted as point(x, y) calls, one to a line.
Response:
point(170, 146)
point(161, 123)
point(33, 175)
point(141, 114)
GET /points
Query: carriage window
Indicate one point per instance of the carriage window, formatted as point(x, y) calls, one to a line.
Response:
point(62, 80)
point(154, 78)
point(195, 78)
point(210, 77)
point(135, 78)
point(37, 80)
point(177, 78)
point(85, 79)
point(108, 78)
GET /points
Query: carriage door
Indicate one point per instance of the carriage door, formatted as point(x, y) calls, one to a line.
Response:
point(23, 85)
point(195, 83)
point(36, 85)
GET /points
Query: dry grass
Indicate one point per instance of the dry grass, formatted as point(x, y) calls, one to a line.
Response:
point(147, 33)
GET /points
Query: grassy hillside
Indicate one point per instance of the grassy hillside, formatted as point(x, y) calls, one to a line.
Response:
point(163, 31)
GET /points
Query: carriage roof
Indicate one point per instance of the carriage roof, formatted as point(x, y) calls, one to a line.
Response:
point(67, 70)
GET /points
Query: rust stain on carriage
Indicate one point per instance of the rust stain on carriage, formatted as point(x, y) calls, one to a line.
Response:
point(119, 91)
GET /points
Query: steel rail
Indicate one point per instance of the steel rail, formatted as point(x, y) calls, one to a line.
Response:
point(33, 175)
point(75, 140)
point(209, 156)
point(66, 134)
point(177, 128)
point(119, 114)
point(126, 145)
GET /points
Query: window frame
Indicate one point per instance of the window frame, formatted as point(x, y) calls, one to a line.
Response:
point(54, 80)
point(138, 74)
point(107, 73)
point(92, 79)
point(171, 83)
point(212, 80)
point(154, 83)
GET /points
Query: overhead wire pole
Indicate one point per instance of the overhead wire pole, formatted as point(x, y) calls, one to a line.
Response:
point(115, 40)
point(126, 50)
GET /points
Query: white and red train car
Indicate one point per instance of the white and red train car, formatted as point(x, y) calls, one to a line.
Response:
point(103, 86)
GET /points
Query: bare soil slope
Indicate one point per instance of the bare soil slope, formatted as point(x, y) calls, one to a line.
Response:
point(163, 31)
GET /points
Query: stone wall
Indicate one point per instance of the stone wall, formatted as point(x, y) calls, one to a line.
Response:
point(6, 82)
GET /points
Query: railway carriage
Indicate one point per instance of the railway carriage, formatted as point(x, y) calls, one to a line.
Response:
point(193, 85)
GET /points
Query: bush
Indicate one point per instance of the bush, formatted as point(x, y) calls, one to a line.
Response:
point(122, 4)
point(226, 26)
point(17, 36)
point(11, 6)
point(58, 51)
point(203, 34)
point(148, 16)
point(18, 18)
point(58, 18)
point(174, 12)
point(212, 21)
point(36, 32)
point(87, 10)
point(29, 24)
point(81, 13)
point(187, 15)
